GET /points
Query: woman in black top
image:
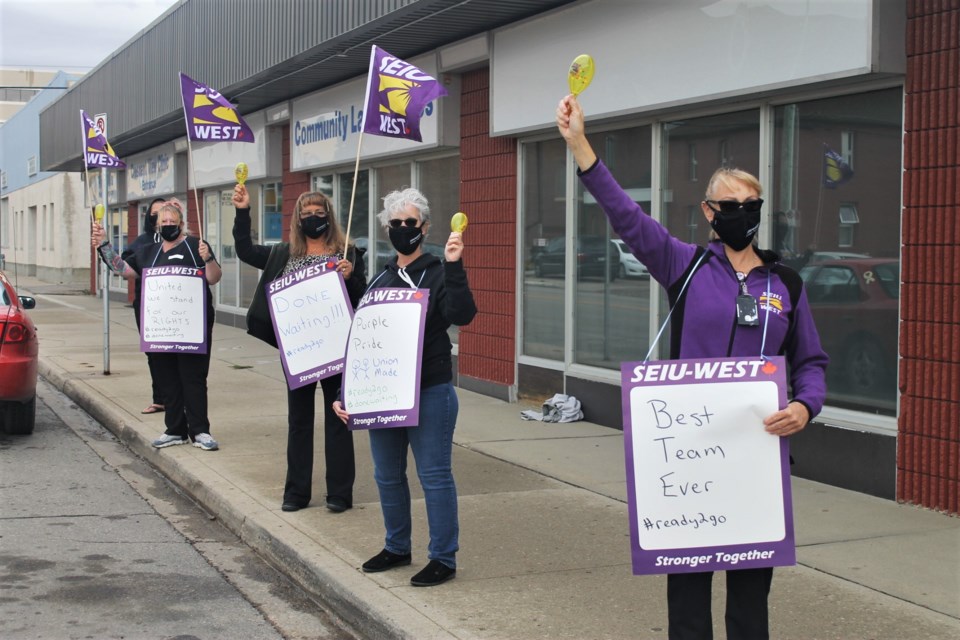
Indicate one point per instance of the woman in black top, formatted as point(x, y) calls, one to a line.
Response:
point(315, 237)
point(183, 376)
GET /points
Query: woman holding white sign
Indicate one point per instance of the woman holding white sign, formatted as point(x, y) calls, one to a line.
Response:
point(183, 376)
point(315, 238)
point(406, 218)
point(729, 299)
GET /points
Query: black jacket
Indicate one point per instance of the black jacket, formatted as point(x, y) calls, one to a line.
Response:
point(451, 302)
point(272, 259)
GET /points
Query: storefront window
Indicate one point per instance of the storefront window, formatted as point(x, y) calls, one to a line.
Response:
point(272, 214)
point(612, 292)
point(837, 216)
point(239, 280)
point(439, 180)
point(389, 179)
point(543, 238)
point(117, 227)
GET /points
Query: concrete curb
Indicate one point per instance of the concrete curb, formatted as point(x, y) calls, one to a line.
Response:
point(365, 606)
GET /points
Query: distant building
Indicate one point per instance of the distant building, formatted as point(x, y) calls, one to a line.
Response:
point(18, 86)
point(43, 219)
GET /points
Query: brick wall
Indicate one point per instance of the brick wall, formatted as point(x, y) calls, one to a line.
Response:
point(488, 195)
point(928, 452)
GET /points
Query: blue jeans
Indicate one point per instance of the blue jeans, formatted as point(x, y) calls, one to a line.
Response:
point(432, 445)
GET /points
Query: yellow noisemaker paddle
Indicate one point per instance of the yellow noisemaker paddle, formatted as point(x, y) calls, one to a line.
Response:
point(581, 73)
point(240, 172)
point(458, 222)
point(98, 212)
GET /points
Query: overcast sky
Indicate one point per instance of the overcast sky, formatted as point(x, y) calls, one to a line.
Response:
point(70, 35)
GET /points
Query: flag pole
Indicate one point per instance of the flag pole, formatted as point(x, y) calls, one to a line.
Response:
point(353, 193)
point(193, 174)
point(106, 283)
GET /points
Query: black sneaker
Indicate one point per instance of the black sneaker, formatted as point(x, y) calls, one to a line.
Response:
point(386, 560)
point(433, 574)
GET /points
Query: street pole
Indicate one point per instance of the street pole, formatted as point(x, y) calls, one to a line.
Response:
point(106, 278)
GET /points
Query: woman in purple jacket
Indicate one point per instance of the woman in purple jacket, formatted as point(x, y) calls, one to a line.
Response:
point(740, 301)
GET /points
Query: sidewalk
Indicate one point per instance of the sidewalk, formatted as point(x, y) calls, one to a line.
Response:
point(545, 547)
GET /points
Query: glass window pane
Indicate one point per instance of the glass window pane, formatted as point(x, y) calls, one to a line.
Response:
point(221, 238)
point(361, 204)
point(730, 139)
point(272, 214)
point(388, 179)
point(612, 293)
point(440, 182)
point(543, 216)
point(849, 226)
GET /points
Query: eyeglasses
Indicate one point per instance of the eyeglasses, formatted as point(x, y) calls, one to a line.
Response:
point(732, 206)
point(316, 212)
point(410, 222)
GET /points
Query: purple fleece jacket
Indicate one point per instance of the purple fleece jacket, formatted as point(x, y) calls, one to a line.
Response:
point(704, 323)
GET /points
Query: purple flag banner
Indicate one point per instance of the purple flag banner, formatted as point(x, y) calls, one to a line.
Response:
point(397, 94)
point(835, 170)
point(311, 314)
point(97, 152)
point(381, 377)
point(173, 310)
point(708, 489)
point(210, 118)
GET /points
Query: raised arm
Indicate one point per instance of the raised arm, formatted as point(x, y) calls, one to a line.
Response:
point(254, 255)
point(110, 257)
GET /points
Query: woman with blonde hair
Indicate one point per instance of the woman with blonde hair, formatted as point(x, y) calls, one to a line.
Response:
point(315, 237)
point(182, 376)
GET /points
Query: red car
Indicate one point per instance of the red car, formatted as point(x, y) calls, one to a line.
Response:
point(855, 304)
point(19, 349)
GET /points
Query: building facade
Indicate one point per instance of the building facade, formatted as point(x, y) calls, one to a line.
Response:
point(680, 89)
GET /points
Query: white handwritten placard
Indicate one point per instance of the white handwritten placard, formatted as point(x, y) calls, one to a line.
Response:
point(173, 310)
point(381, 378)
point(708, 488)
point(311, 315)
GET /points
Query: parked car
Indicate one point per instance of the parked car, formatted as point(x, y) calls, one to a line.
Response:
point(595, 258)
point(855, 304)
point(19, 350)
point(630, 267)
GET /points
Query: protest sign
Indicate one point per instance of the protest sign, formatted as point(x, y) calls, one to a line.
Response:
point(381, 378)
point(708, 488)
point(173, 310)
point(311, 315)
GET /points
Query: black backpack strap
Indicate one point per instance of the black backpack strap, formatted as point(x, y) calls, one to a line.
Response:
point(794, 284)
point(676, 295)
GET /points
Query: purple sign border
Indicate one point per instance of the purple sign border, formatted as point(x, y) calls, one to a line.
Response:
point(736, 556)
point(400, 418)
point(323, 370)
point(172, 347)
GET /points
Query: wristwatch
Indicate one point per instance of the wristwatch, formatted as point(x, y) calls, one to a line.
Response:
point(208, 260)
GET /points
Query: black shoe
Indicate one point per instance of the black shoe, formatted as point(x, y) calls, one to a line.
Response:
point(433, 574)
point(337, 504)
point(386, 560)
point(291, 506)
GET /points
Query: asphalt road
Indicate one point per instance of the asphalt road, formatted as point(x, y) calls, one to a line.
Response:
point(95, 544)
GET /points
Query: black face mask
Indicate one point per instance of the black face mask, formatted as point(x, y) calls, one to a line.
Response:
point(405, 239)
point(170, 232)
point(314, 226)
point(736, 230)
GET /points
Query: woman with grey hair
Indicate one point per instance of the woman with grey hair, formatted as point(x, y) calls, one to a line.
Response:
point(406, 218)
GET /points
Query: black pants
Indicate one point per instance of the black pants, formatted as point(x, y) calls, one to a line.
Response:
point(689, 598)
point(183, 383)
point(338, 445)
point(155, 381)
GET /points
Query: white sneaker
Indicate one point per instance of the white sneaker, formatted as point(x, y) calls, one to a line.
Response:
point(167, 440)
point(205, 441)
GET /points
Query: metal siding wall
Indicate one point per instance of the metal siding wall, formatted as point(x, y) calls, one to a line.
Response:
point(211, 41)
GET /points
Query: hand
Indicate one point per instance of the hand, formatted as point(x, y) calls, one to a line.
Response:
point(241, 199)
point(96, 238)
point(205, 250)
point(345, 267)
point(787, 421)
point(570, 118)
point(454, 249)
point(339, 410)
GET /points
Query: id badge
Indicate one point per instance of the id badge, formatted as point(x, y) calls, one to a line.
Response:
point(747, 315)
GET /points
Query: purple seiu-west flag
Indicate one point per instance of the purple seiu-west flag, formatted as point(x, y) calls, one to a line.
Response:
point(835, 170)
point(97, 152)
point(397, 94)
point(210, 117)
